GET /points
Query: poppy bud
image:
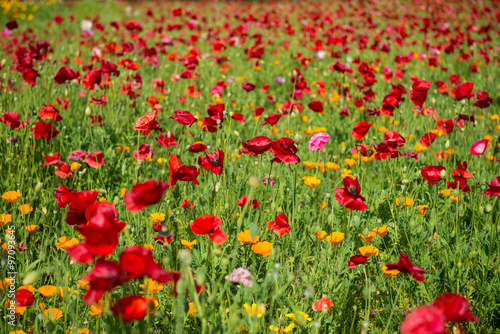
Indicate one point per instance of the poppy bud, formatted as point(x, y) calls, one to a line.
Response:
point(116, 201)
point(442, 174)
point(231, 114)
point(404, 169)
point(236, 133)
point(406, 181)
point(185, 257)
point(447, 144)
point(3, 62)
point(38, 187)
point(273, 206)
point(44, 210)
point(488, 208)
point(30, 278)
point(254, 181)
point(297, 138)
point(88, 112)
point(65, 92)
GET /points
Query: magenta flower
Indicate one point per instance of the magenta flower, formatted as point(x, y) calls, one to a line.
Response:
point(318, 141)
point(479, 147)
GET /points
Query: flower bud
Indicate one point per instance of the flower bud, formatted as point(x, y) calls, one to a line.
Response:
point(38, 187)
point(30, 278)
point(447, 144)
point(88, 112)
point(442, 174)
point(488, 208)
point(254, 181)
point(297, 138)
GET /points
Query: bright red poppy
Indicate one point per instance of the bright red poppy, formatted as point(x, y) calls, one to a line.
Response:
point(248, 201)
point(91, 78)
point(213, 162)
point(78, 205)
point(464, 91)
point(356, 260)
point(24, 298)
point(197, 148)
point(405, 265)
point(104, 277)
point(44, 130)
point(64, 195)
point(144, 194)
point(349, 195)
point(180, 172)
point(394, 139)
point(280, 224)
point(427, 319)
point(143, 152)
point(323, 304)
point(257, 145)
point(95, 159)
point(418, 93)
point(50, 112)
point(494, 187)
point(77, 155)
point(455, 307)
point(360, 130)
point(428, 139)
point(184, 117)
point(166, 139)
point(432, 173)
point(145, 122)
point(65, 74)
point(137, 261)
point(210, 225)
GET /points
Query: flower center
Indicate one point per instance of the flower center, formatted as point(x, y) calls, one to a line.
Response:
point(352, 190)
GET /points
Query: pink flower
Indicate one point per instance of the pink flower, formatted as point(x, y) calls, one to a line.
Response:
point(425, 320)
point(241, 276)
point(318, 141)
point(479, 147)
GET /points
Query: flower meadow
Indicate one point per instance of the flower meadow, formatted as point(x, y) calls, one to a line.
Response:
point(250, 167)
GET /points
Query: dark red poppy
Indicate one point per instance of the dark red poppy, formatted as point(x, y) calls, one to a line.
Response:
point(213, 162)
point(64, 195)
point(95, 159)
point(197, 148)
point(166, 139)
point(360, 130)
point(133, 308)
point(427, 319)
point(340, 67)
point(11, 118)
point(394, 139)
point(280, 224)
point(91, 78)
point(464, 91)
point(248, 86)
point(180, 172)
point(53, 160)
point(418, 94)
point(272, 119)
point(44, 130)
point(349, 195)
point(66, 74)
point(24, 298)
point(494, 187)
point(177, 275)
point(428, 139)
point(405, 265)
point(50, 112)
point(344, 112)
point(455, 307)
point(483, 100)
point(137, 261)
point(248, 201)
point(432, 173)
point(77, 206)
point(257, 145)
point(77, 155)
point(143, 152)
point(445, 125)
point(211, 124)
point(163, 239)
point(30, 75)
point(285, 151)
point(144, 194)
point(100, 101)
point(238, 117)
point(356, 260)
point(316, 106)
point(108, 68)
point(104, 277)
point(362, 149)
point(413, 155)
point(259, 111)
point(210, 225)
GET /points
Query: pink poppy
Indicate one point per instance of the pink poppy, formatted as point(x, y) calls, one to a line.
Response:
point(318, 141)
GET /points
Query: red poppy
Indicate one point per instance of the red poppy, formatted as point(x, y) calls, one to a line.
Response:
point(356, 260)
point(427, 319)
point(109, 68)
point(145, 122)
point(166, 139)
point(105, 276)
point(248, 86)
point(91, 78)
point(445, 125)
point(479, 147)
point(456, 308)
point(360, 130)
point(144, 194)
point(162, 239)
point(405, 265)
point(100, 101)
point(66, 74)
point(394, 139)
point(461, 175)
point(280, 224)
point(11, 118)
point(494, 187)
point(53, 160)
point(137, 261)
point(418, 94)
point(95, 159)
point(209, 224)
point(77, 155)
point(187, 203)
point(247, 201)
point(180, 172)
point(238, 117)
point(257, 145)
point(64, 171)
point(362, 149)
point(213, 162)
point(483, 100)
point(44, 130)
point(64, 195)
point(324, 304)
point(272, 119)
point(177, 275)
point(24, 298)
point(143, 152)
point(432, 173)
point(428, 139)
point(349, 195)
point(77, 206)
point(284, 150)
point(464, 91)
point(133, 308)
point(316, 106)
point(49, 111)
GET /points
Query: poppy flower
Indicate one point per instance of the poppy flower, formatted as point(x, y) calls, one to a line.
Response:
point(184, 117)
point(91, 78)
point(180, 172)
point(422, 209)
point(284, 150)
point(24, 298)
point(257, 145)
point(78, 205)
point(77, 155)
point(248, 201)
point(456, 308)
point(65, 74)
point(187, 203)
point(280, 224)
point(494, 187)
point(405, 265)
point(143, 152)
point(145, 122)
point(11, 118)
point(394, 139)
point(144, 194)
point(197, 147)
point(356, 260)
point(335, 238)
point(95, 159)
point(418, 94)
point(360, 130)
point(248, 86)
point(44, 130)
point(316, 106)
point(318, 140)
point(432, 173)
point(213, 162)
point(483, 100)
point(427, 319)
point(104, 276)
point(247, 238)
point(445, 125)
point(64, 195)
point(50, 112)
point(479, 147)
point(209, 224)
point(272, 119)
point(263, 248)
point(323, 304)
point(464, 91)
point(349, 195)
point(137, 261)
point(428, 139)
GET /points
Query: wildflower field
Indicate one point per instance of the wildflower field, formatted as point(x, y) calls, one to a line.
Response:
point(250, 167)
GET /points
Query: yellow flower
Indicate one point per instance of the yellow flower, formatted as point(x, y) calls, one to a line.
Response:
point(456, 198)
point(422, 209)
point(192, 308)
point(97, 310)
point(389, 273)
point(149, 247)
point(151, 286)
point(53, 314)
point(31, 228)
point(335, 238)
point(320, 235)
point(123, 148)
point(311, 181)
point(75, 166)
point(252, 310)
point(25, 208)
point(247, 238)
point(332, 166)
point(157, 217)
point(263, 248)
point(84, 284)
point(309, 165)
point(189, 244)
point(65, 242)
point(102, 199)
point(446, 192)
point(299, 318)
point(368, 251)
point(322, 167)
point(123, 191)
point(404, 201)
point(323, 205)
point(494, 117)
point(347, 173)
point(383, 129)
point(420, 148)
point(488, 137)
point(381, 231)
point(350, 162)
point(5, 219)
point(490, 158)
point(369, 237)
point(11, 196)
point(284, 330)
point(47, 290)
